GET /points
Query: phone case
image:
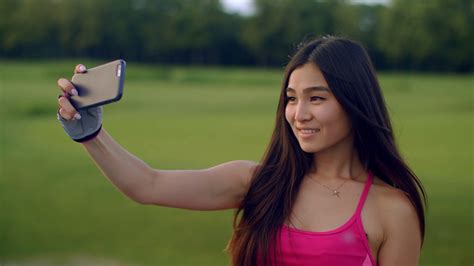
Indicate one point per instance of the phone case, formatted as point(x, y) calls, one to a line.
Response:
point(99, 85)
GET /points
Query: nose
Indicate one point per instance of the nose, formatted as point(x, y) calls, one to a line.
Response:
point(302, 112)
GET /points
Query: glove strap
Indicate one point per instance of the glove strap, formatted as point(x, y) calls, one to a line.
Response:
point(93, 135)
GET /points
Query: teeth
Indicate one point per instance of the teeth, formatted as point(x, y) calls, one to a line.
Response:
point(308, 131)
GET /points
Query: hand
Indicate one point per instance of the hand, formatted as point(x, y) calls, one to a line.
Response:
point(80, 125)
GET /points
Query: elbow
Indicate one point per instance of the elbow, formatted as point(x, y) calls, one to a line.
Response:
point(136, 197)
point(142, 201)
point(143, 194)
point(142, 197)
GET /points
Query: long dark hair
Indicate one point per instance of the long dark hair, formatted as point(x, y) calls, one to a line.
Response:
point(349, 73)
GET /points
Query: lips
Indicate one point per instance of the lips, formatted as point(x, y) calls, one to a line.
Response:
point(307, 132)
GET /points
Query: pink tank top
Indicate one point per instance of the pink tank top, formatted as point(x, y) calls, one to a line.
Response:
point(346, 245)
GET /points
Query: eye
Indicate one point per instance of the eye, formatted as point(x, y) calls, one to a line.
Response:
point(315, 98)
point(290, 99)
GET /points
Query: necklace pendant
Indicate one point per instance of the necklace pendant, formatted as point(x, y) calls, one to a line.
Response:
point(336, 193)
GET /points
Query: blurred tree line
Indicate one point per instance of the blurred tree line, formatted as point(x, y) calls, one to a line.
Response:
point(432, 35)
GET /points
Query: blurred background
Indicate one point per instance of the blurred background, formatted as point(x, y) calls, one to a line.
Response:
point(433, 35)
point(202, 85)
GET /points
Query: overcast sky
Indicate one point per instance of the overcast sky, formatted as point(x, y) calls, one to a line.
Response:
point(245, 7)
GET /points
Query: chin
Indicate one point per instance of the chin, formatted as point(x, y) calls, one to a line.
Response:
point(310, 148)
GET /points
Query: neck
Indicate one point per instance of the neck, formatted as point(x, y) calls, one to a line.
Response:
point(338, 161)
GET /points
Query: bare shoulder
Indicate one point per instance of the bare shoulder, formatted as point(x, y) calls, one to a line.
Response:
point(394, 203)
point(240, 166)
point(243, 169)
point(396, 200)
point(400, 223)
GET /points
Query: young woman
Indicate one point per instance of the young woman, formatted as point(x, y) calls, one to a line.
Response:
point(331, 189)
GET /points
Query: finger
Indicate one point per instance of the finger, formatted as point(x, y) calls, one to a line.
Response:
point(67, 86)
point(80, 68)
point(66, 105)
point(64, 114)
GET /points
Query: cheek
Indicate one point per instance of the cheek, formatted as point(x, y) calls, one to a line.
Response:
point(289, 115)
point(335, 119)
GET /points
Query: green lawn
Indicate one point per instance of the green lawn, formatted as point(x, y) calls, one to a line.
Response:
point(56, 207)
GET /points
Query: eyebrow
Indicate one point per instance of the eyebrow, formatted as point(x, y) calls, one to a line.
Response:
point(310, 89)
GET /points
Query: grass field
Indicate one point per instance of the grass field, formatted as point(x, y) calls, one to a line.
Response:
point(57, 208)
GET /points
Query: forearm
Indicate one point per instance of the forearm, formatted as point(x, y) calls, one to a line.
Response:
point(126, 171)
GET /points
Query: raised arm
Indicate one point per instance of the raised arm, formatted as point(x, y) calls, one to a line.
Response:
point(219, 187)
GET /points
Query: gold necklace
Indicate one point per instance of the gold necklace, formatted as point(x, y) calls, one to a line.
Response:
point(335, 192)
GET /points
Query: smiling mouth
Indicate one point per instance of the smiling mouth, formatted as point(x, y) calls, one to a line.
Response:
point(309, 131)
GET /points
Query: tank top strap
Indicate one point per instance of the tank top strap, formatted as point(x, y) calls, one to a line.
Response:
point(365, 192)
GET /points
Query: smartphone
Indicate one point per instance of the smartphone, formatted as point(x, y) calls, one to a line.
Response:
point(99, 85)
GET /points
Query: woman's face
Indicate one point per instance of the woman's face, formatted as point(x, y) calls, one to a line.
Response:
point(315, 116)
